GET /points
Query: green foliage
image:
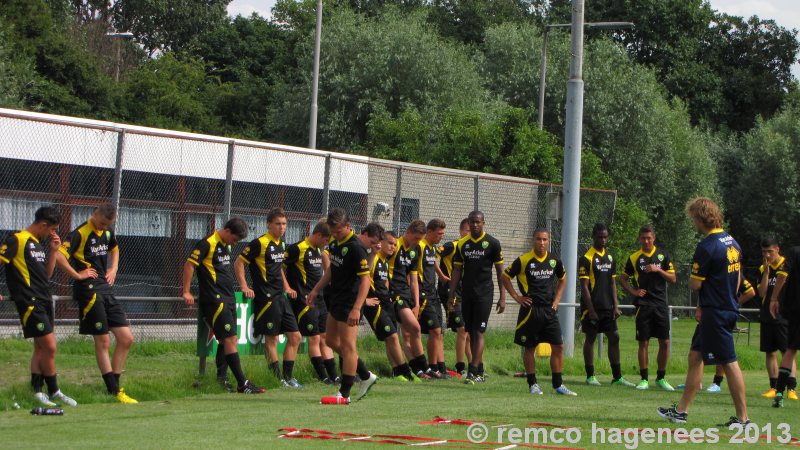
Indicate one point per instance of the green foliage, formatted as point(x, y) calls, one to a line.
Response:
point(467, 20)
point(628, 218)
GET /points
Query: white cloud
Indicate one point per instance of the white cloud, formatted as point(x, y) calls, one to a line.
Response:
point(247, 7)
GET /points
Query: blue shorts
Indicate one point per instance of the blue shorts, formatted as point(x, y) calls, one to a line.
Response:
point(713, 337)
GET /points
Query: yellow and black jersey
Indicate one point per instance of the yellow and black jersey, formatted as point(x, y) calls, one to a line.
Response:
point(26, 272)
point(303, 264)
point(536, 277)
point(446, 253)
point(774, 270)
point(264, 256)
point(349, 262)
point(477, 257)
point(426, 270)
point(653, 283)
point(599, 267)
point(403, 262)
point(214, 273)
point(379, 279)
point(88, 247)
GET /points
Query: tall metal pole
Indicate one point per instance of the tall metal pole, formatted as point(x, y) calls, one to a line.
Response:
point(312, 129)
point(542, 75)
point(572, 176)
point(116, 190)
point(229, 181)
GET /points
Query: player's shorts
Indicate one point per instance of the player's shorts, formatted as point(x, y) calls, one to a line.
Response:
point(36, 316)
point(340, 311)
point(430, 315)
point(793, 335)
point(309, 318)
point(774, 336)
point(605, 323)
point(399, 303)
point(652, 322)
point(455, 319)
point(713, 337)
point(220, 317)
point(100, 313)
point(536, 325)
point(381, 320)
point(476, 314)
point(273, 316)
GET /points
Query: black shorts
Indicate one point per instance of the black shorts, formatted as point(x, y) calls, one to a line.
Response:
point(399, 303)
point(476, 314)
point(605, 324)
point(430, 315)
point(36, 316)
point(381, 320)
point(455, 319)
point(536, 325)
point(273, 316)
point(793, 335)
point(100, 313)
point(220, 317)
point(652, 322)
point(340, 311)
point(713, 337)
point(774, 336)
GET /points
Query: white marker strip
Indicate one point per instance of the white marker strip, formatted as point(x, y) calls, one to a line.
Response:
point(421, 444)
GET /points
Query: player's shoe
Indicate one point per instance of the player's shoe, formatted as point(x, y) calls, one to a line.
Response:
point(470, 379)
point(294, 384)
point(733, 421)
point(480, 378)
point(327, 380)
point(664, 384)
point(124, 398)
point(446, 375)
point(770, 393)
point(434, 374)
point(792, 395)
point(536, 390)
point(563, 390)
point(42, 398)
point(224, 384)
point(643, 385)
point(335, 400)
point(777, 402)
point(592, 381)
point(621, 381)
point(401, 378)
point(250, 388)
point(366, 385)
point(672, 414)
point(62, 398)
point(415, 379)
point(463, 373)
point(714, 388)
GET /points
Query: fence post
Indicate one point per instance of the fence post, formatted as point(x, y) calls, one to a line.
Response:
point(117, 188)
point(398, 200)
point(476, 195)
point(229, 180)
point(326, 189)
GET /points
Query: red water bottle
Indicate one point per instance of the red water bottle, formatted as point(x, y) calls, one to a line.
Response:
point(335, 400)
point(47, 411)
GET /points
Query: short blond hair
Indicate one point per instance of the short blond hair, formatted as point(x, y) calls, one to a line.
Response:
point(705, 211)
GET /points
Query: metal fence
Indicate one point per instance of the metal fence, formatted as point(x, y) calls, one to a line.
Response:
point(173, 188)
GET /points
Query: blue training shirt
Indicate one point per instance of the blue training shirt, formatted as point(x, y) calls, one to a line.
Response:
point(717, 262)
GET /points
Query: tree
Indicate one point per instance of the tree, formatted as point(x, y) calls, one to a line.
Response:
point(467, 20)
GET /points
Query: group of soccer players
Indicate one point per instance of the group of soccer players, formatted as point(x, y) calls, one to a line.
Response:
point(321, 287)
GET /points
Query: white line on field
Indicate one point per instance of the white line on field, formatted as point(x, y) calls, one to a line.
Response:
point(420, 444)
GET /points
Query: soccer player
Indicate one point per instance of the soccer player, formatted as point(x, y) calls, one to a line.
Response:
point(429, 314)
point(212, 258)
point(349, 286)
point(273, 312)
point(404, 289)
point(651, 268)
point(379, 311)
point(455, 321)
point(773, 329)
point(541, 280)
point(28, 272)
point(716, 275)
point(94, 245)
point(304, 262)
point(785, 299)
point(599, 307)
point(477, 253)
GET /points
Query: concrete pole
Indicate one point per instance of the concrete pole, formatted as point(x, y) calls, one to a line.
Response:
point(572, 176)
point(312, 129)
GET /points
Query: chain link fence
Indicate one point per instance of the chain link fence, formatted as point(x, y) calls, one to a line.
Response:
point(174, 188)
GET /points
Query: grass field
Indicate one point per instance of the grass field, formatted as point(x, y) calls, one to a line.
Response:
point(173, 414)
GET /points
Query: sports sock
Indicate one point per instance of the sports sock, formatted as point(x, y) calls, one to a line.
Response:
point(589, 371)
point(616, 371)
point(36, 382)
point(783, 379)
point(718, 379)
point(330, 367)
point(418, 364)
point(361, 369)
point(531, 379)
point(442, 367)
point(52, 384)
point(792, 384)
point(288, 369)
point(472, 370)
point(480, 369)
point(111, 383)
point(460, 367)
point(773, 382)
point(644, 373)
point(404, 370)
point(319, 367)
point(660, 374)
point(117, 377)
point(347, 384)
point(275, 369)
point(557, 380)
point(236, 367)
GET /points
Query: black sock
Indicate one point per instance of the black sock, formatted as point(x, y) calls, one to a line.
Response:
point(531, 379)
point(418, 364)
point(319, 367)
point(37, 381)
point(236, 367)
point(472, 370)
point(589, 371)
point(773, 382)
point(442, 367)
point(660, 374)
point(288, 369)
point(117, 376)
point(111, 383)
point(52, 384)
point(361, 369)
point(404, 370)
point(480, 369)
point(460, 367)
point(792, 384)
point(222, 364)
point(347, 384)
point(644, 374)
point(783, 379)
point(395, 371)
point(616, 371)
point(275, 369)
point(330, 367)
point(558, 380)
point(718, 379)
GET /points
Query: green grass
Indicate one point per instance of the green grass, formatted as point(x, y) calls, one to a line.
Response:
point(173, 414)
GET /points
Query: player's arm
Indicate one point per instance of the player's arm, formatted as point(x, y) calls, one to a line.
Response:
point(746, 294)
point(624, 281)
point(505, 280)
point(363, 289)
point(773, 302)
point(763, 283)
point(562, 283)
point(668, 275)
point(238, 271)
point(584, 266)
point(413, 284)
point(188, 273)
point(501, 303)
point(286, 288)
point(324, 281)
point(111, 272)
point(63, 264)
point(442, 277)
point(454, 280)
point(617, 311)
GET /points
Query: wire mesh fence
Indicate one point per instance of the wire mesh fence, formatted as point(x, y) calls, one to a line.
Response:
point(173, 188)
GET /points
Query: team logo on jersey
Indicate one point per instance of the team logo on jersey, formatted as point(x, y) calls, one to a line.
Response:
point(344, 251)
point(108, 235)
point(430, 322)
point(733, 255)
point(610, 258)
point(457, 319)
point(270, 325)
point(32, 245)
point(523, 338)
point(660, 257)
point(98, 325)
point(40, 326)
point(386, 328)
point(412, 254)
point(227, 327)
point(3, 249)
point(553, 263)
point(310, 327)
point(219, 249)
point(92, 241)
point(485, 244)
point(400, 301)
